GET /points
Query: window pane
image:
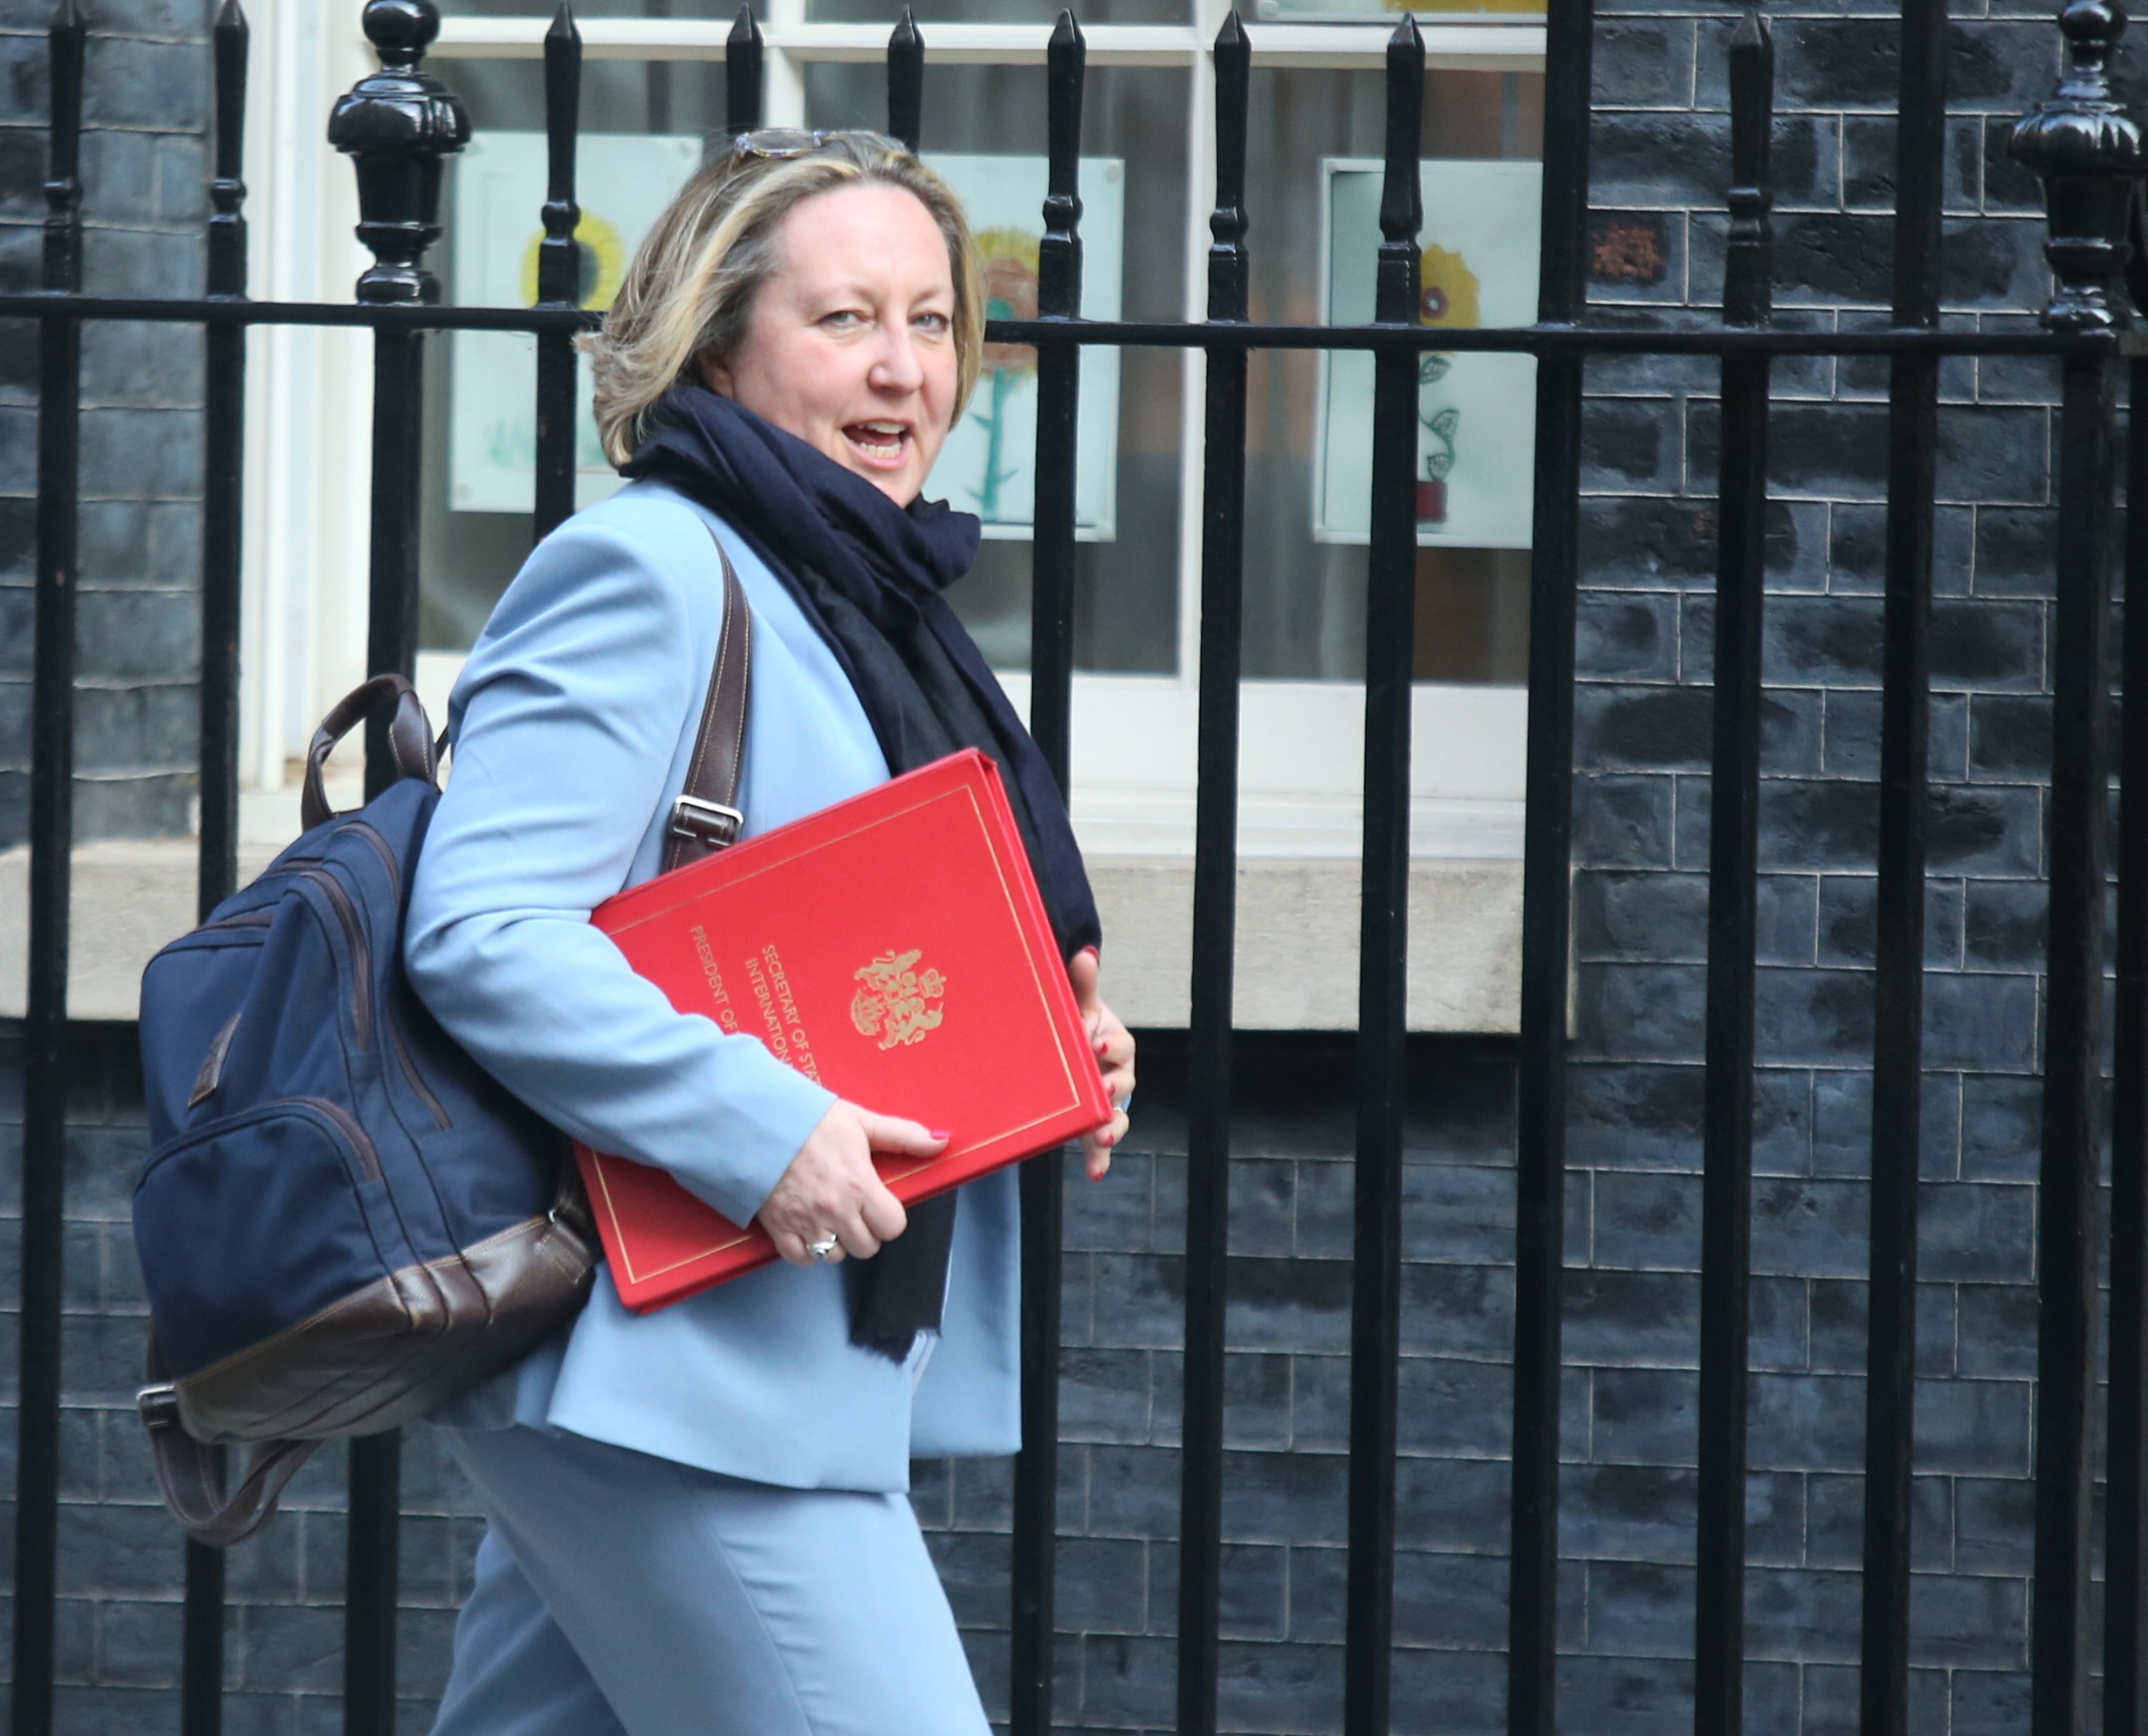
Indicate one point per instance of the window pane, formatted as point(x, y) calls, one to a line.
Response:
point(1370, 12)
point(641, 121)
point(1126, 598)
point(1305, 597)
point(592, 8)
point(999, 12)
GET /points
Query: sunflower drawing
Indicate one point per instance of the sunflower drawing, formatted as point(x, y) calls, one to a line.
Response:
point(602, 261)
point(1010, 257)
point(1448, 290)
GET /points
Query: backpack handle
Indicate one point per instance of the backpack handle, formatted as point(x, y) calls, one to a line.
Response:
point(191, 1473)
point(410, 744)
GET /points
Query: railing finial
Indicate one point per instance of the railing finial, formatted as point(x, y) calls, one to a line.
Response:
point(226, 190)
point(1228, 222)
point(398, 125)
point(905, 81)
point(1401, 190)
point(1059, 252)
point(558, 255)
point(66, 37)
point(742, 52)
point(1747, 289)
point(2088, 154)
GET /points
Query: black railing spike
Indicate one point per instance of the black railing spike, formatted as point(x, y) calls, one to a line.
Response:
point(1401, 195)
point(226, 229)
point(1726, 1231)
point(2068, 1208)
point(742, 80)
point(2126, 1550)
point(1534, 1606)
point(1210, 990)
point(46, 1027)
point(2088, 154)
point(66, 40)
point(559, 275)
point(398, 125)
point(216, 876)
point(1390, 560)
point(1059, 252)
point(1228, 222)
point(558, 263)
point(905, 81)
point(1030, 1642)
point(1898, 984)
point(1747, 265)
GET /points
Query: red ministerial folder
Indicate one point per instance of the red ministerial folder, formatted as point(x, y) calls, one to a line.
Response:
point(893, 947)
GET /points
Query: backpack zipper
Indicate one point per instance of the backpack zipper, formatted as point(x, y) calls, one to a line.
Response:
point(361, 1001)
point(386, 855)
point(397, 1042)
point(338, 1118)
point(346, 1123)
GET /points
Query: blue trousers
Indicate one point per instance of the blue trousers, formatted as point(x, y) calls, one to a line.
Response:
point(618, 1594)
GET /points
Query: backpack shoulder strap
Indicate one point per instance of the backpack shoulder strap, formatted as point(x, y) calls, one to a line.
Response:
point(706, 817)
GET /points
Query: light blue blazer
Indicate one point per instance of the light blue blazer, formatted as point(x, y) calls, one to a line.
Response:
point(572, 725)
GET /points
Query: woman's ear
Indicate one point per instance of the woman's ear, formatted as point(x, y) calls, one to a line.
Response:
point(714, 375)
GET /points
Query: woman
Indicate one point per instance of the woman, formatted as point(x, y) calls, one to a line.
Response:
point(698, 1520)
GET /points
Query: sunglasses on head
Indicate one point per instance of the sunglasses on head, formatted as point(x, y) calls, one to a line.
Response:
point(775, 142)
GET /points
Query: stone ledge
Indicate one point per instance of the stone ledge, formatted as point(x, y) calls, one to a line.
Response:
point(130, 896)
point(1297, 952)
point(1297, 939)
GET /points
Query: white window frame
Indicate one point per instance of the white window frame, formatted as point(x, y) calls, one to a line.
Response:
point(308, 474)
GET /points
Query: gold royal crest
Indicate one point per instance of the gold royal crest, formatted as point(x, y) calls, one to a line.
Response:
point(899, 1002)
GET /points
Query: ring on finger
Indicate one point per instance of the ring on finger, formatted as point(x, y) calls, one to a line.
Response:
point(823, 1249)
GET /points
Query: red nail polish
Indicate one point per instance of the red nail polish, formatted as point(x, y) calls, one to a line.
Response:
point(938, 1133)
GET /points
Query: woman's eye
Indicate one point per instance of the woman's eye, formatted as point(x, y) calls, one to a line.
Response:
point(843, 318)
point(931, 322)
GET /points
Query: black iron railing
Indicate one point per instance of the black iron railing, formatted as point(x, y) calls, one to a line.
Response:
point(399, 125)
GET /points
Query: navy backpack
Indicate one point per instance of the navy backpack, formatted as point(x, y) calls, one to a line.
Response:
point(343, 1220)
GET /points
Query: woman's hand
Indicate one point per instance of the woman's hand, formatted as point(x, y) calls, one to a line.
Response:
point(1114, 1047)
point(832, 1189)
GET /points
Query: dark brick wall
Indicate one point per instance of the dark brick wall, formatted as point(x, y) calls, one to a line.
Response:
point(145, 112)
point(1287, 1427)
point(1633, 1230)
point(1642, 821)
point(1123, 1300)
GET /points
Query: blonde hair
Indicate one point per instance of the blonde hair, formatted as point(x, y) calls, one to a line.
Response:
point(688, 295)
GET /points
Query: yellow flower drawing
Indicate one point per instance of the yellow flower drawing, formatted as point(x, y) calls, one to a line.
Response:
point(1010, 260)
point(1448, 293)
point(1010, 267)
point(602, 260)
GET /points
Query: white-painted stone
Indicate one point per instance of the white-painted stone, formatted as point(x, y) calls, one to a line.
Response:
point(130, 896)
point(1297, 943)
point(1297, 952)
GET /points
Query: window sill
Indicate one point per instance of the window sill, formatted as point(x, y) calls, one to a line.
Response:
point(1297, 935)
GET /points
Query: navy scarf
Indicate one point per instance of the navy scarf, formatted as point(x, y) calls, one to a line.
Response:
point(870, 575)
